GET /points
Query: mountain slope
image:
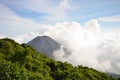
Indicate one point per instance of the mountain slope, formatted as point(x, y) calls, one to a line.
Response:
point(47, 46)
point(22, 62)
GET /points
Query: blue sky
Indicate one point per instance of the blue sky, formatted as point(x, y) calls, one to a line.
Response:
point(20, 17)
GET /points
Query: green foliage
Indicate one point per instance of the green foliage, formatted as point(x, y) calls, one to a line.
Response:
point(22, 62)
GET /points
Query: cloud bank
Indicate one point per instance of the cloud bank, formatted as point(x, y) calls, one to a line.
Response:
point(110, 18)
point(89, 46)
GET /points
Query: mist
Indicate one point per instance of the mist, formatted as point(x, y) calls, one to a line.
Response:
point(88, 44)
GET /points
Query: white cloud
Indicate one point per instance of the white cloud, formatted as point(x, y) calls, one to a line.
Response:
point(93, 25)
point(62, 7)
point(26, 37)
point(110, 18)
point(64, 4)
point(2, 36)
point(89, 47)
point(9, 21)
point(7, 16)
point(54, 11)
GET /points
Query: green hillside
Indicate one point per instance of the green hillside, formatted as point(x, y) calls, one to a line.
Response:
point(22, 62)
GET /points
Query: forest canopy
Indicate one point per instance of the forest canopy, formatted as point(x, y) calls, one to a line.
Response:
point(22, 62)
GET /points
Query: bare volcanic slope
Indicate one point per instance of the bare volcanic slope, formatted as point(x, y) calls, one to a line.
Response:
point(47, 46)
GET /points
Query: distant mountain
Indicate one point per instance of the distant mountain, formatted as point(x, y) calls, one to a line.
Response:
point(114, 75)
point(47, 46)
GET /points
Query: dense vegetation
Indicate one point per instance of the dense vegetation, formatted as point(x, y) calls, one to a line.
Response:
point(22, 62)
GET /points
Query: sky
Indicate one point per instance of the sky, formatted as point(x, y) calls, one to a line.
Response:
point(90, 29)
point(23, 16)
